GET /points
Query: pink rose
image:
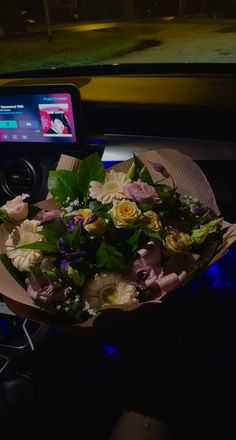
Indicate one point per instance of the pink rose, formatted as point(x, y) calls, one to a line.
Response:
point(47, 263)
point(141, 192)
point(149, 274)
point(17, 209)
point(147, 267)
point(42, 291)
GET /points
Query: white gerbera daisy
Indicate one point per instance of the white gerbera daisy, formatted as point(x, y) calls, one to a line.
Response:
point(107, 289)
point(111, 189)
point(27, 232)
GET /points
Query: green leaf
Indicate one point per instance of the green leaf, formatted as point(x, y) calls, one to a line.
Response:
point(134, 240)
point(165, 191)
point(168, 197)
point(145, 176)
point(153, 234)
point(16, 274)
point(41, 246)
point(73, 238)
point(63, 184)
point(101, 209)
point(3, 215)
point(145, 206)
point(109, 258)
point(95, 206)
point(163, 213)
point(131, 173)
point(53, 231)
point(56, 230)
point(91, 168)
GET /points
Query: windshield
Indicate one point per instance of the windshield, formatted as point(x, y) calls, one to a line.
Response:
point(46, 34)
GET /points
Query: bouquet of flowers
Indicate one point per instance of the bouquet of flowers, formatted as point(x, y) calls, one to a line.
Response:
point(110, 238)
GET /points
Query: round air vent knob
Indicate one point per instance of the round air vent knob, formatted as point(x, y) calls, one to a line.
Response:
point(19, 177)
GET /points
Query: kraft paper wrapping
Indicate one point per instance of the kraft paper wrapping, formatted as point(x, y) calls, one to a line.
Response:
point(188, 178)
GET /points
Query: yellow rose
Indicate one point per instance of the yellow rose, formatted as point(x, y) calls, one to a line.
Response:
point(125, 213)
point(96, 227)
point(178, 242)
point(152, 220)
point(84, 212)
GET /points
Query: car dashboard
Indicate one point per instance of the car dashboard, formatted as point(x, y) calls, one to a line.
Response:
point(193, 112)
point(125, 112)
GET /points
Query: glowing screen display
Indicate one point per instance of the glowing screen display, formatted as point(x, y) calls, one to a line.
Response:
point(45, 118)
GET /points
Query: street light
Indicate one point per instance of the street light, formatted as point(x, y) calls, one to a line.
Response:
point(47, 20)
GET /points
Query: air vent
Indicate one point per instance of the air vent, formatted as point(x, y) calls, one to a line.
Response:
point(19, 177)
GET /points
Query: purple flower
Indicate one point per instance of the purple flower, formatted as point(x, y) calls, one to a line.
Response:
point(199, 211)
point(47, 216)
point(91, 218)
point(141, 192)
point(42, 291)
point(68, 254)
point(159, 168)
point(75, 221)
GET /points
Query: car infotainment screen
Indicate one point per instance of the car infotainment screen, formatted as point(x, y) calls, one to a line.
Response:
point(39, 114)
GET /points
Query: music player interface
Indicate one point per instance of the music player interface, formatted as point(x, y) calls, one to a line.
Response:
point(37, 118)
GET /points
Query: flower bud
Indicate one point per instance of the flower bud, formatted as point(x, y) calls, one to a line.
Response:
point(16, 209)
point(199, 235)
point(75, 276)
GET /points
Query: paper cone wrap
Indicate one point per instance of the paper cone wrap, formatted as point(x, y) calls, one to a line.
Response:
point(189, 180)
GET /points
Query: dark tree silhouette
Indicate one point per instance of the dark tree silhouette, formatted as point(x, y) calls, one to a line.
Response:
point(128, 9)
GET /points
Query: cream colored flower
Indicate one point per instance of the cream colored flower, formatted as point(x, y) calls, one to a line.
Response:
point(178, 242)
point(111, 189)
point(27, 232)
point(17, 209)
point(152, 220)
point(125, 213)
point(107, 289)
